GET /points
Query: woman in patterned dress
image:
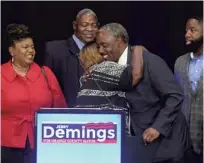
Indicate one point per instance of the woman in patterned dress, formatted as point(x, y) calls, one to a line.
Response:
point(107, 82)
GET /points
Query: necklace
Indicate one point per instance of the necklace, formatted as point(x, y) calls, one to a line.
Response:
point(18, 68)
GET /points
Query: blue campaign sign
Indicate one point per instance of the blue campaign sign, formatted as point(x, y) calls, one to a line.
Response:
point(79, 136)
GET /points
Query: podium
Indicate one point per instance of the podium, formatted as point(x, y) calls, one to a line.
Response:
point(87, 136)
point(79, 136)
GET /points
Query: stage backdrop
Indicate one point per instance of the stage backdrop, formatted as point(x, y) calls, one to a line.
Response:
point(159, 26)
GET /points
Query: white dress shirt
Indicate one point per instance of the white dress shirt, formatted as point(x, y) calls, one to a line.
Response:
point(123, 58)
point(123, 61)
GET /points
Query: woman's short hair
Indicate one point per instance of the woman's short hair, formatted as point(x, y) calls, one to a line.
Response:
point(17, 32)
point(90, 55)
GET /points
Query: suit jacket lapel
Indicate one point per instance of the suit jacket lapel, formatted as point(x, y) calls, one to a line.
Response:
point(186, 72)
point(73, 46)
point(74, 50)
point(129, 55)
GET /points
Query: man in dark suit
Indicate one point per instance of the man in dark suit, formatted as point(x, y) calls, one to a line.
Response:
point(62, 55)
point(154, 102)
point(189, 73)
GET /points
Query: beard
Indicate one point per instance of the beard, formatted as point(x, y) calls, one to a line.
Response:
point(194, 45)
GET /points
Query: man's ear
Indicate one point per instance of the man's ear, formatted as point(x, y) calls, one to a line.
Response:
point(74, 25)
point(119, 41)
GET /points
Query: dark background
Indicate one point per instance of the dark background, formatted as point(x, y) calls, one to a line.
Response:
point(159, 26)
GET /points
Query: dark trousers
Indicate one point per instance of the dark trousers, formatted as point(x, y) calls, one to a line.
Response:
point(189, 157)
point(16, 155)
point(136, 151)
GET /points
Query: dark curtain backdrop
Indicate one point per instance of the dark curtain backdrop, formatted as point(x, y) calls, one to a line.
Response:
point(159, 26)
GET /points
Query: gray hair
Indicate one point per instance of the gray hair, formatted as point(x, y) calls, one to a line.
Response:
point(86, 11)
point(117, 30)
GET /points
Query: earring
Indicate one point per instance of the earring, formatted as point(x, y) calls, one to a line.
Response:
point(12, 59)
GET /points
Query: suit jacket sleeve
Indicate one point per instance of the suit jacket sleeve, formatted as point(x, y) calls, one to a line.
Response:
point(58, 98)
point(55, 63)
point(50, 59)
point(168, 90)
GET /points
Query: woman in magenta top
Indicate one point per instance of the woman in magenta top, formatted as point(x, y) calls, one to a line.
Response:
point(25, 89)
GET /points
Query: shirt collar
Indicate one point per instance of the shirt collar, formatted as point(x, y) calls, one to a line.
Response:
point(123, 58)
point(9, 73)
point(79, 43)
point(193, 57)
